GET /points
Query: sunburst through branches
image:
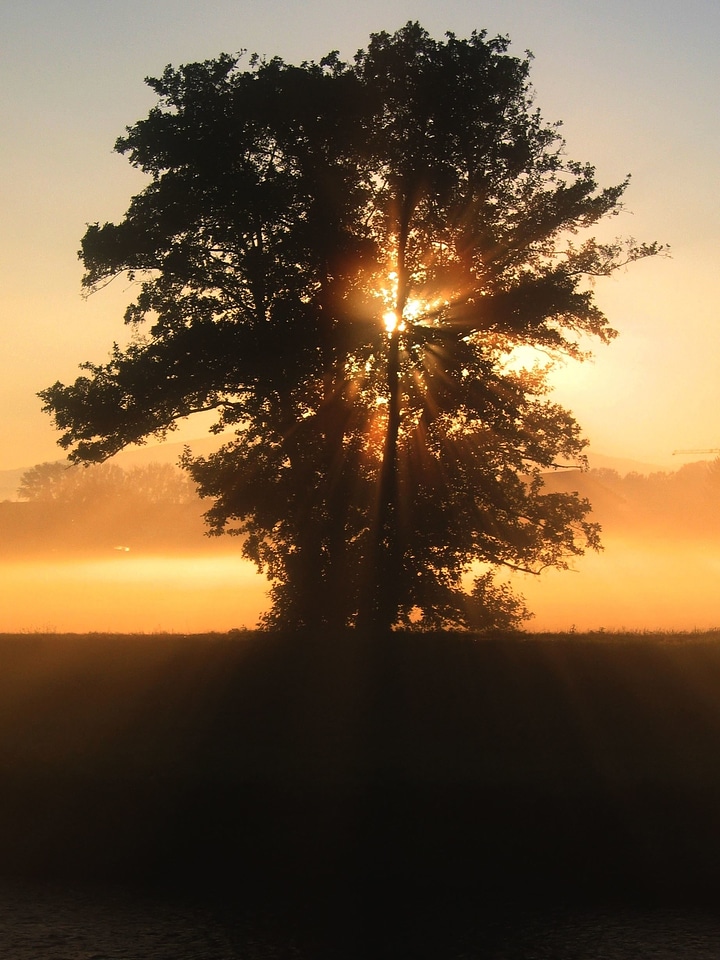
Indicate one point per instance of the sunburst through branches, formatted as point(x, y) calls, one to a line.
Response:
point(356, 266)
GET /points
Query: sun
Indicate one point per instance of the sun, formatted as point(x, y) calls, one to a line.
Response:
point(390, 319)
point(399, 309)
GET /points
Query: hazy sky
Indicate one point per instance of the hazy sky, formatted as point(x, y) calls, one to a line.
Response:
point(636, 82)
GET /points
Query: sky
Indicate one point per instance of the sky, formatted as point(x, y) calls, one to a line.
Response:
point(635, 82)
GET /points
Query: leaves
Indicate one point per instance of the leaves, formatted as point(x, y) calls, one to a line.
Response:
point(289, 208)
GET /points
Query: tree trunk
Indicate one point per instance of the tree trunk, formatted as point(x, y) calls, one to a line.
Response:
point(387, 548)
point(387, 562)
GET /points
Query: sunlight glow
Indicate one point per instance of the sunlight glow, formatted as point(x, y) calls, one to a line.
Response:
point(400, 309)
point(413, 310)
point(127, 593)
point(391, 321)
point(632, 585)
point(527, 357)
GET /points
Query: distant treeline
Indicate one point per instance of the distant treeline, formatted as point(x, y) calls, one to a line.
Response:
point(59, 482)
point(69, 509)
point(681, 504)
point(155, 507)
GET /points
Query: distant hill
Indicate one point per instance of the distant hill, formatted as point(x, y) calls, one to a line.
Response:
point(138, 456)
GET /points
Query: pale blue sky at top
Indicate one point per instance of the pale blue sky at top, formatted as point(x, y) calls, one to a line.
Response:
point(636, 84)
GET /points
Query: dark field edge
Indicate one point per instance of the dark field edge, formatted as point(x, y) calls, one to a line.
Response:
point(250, 634)
point(346, 783)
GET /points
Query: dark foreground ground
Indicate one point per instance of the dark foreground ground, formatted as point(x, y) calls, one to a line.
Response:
point(421, 797)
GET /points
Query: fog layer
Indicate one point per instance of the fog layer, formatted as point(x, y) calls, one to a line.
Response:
point(132, 555)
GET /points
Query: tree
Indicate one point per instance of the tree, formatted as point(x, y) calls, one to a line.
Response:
point(152, 484)
point(344, 261)
point(58, 483)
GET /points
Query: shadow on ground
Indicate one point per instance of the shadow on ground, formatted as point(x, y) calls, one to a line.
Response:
point(336, 788)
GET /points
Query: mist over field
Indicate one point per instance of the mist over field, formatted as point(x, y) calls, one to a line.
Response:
point(129, 553)
point(660, 566)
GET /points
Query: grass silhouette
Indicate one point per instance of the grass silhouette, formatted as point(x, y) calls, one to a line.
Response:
point(337, 780)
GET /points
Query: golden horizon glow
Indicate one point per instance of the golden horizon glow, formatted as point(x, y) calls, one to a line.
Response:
point(131, 593)
point(615, 590)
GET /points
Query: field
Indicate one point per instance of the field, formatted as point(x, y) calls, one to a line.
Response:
point(335, 787)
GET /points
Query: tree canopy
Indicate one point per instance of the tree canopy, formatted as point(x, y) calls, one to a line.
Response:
point(345, 260)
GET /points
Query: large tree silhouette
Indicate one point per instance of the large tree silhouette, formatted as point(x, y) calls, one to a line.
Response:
point(342, 260)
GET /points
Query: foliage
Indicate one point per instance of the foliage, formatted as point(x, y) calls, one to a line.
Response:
point(342, 260)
